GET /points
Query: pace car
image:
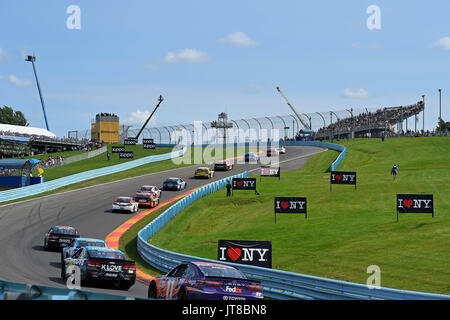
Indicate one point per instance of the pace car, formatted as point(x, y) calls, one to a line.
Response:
point(146, 199)
point(59, 236)
point(251, 156)
point(205, 281)
point(100, 265)
point(174, 184)
point(81, 242)
point(223, 165)
point(125, 204)
point(152, 189)
point(204, 172)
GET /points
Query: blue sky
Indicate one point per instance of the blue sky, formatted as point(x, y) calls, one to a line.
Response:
point(206, 57)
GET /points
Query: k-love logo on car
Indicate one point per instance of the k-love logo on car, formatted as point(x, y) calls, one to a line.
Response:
point(255, 253)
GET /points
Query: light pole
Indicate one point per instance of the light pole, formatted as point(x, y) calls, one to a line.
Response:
point(32, 59)
point(440, 115)
point(423, 116)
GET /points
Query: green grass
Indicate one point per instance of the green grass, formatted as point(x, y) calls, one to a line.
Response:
point(346, 230)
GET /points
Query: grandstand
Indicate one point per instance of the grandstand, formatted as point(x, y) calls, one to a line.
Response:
point(371, 123)
point(21, 140)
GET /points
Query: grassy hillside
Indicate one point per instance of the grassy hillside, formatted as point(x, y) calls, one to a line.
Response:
point(346, 230)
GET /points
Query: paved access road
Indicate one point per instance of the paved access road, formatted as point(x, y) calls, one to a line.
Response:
point(24, 224)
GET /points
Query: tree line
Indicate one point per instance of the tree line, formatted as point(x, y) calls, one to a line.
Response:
point(9, 116)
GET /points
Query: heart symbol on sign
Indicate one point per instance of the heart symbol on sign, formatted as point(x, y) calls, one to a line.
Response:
point(338, 177)
point(408, 203)
point(239, 183)
point(285, 204)
point(234, 253)
point(266, 171)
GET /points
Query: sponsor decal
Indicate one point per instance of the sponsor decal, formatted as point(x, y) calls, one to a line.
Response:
point(342, 177)
point(244, 184)
point(149, 141)
point(267, 171)
point(111, 268)
point(117, 149)
point(130, 142)
point(126, 155)
point(415, 203)
point(233, 289)
point(290, 205)
point(149, 146)
point(256, 253)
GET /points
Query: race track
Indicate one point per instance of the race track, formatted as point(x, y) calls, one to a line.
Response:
point(24, 224)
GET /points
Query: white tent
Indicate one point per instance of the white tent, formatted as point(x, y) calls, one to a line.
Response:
point(6, 129)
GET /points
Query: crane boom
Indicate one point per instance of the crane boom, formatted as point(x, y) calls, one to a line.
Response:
point(293, 109)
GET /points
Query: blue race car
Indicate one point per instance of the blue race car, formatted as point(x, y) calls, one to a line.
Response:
point(174, 184)
point(251, 156)
point(205, 281)
point(81, 242)
point(100, 265)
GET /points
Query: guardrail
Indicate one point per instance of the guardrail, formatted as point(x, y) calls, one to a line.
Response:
point(277, 284)
point(22, 291)
point(332, 146)
point(18, 193)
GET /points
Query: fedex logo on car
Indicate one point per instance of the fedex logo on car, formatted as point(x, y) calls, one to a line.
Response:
point(233, 289)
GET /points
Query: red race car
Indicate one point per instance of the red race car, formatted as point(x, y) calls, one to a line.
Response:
point(223, 165)
point(146, 199)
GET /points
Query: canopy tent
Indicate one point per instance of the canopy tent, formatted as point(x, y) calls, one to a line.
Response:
point(22, 164)
point(9, 129)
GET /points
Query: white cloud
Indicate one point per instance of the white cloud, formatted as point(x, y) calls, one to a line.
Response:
point(187, 56)
point(238, 39)
point(443, 43)
point(19, 82)
point(356, 93)
point(151, 67)
point(139, 117)
point(3, 54)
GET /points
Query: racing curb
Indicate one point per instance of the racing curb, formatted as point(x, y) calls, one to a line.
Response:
point(113, 238)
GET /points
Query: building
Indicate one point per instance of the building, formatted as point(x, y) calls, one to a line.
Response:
point(105, 128)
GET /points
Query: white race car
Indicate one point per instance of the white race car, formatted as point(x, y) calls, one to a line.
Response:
point(125, 204)
point(282, 150)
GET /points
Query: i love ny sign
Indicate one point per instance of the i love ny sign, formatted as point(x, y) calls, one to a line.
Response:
point(415, 203)
point(293, 205)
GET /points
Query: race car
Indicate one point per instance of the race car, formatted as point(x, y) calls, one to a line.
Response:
point(146, 199)
point(100, 265)
point(59, 237)
point(205, 281)
point(204, 172)
point(125, 204)
point(281, 150)
point(152, 189)
point(272, 152)
point(174, 184)
point(223, 165)
point(251, 156)
point(81, 242)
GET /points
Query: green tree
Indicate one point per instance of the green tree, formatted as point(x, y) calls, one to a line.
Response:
point(9, 116)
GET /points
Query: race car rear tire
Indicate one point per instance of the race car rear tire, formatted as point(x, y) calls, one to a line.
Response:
point(182, 294)
point(125, 284)
point(63, 271)
point(152, 291)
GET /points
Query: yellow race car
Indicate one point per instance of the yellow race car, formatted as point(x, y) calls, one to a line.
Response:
point(204, 172)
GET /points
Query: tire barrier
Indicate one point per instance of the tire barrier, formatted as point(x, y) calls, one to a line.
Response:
point(277, 284)
point(18, 193)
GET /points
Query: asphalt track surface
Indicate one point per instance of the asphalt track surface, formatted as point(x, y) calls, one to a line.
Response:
point(24, 224)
